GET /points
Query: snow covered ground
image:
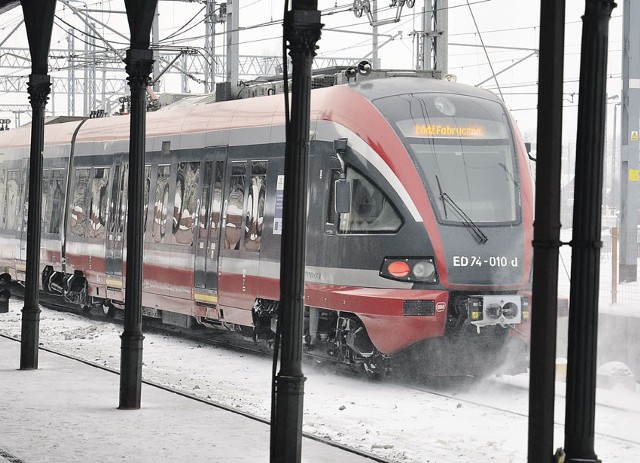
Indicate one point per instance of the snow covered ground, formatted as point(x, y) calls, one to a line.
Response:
point(391, 421)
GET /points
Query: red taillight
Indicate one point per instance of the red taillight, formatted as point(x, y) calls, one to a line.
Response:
point(398, 269)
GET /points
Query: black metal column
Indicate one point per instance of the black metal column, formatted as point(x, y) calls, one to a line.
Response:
point(586, 241)
point(39, 87)
point(139, 65)
point(38, 19)
point(546, 232)
point(302, 31)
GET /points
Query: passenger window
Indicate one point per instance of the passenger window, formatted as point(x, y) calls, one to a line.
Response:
point(255, 207)
point(235, 206)
point(46, 196)
point(147, 187)
point(332, 216)
point(3, 187)
point(98, 202)
point(124, 199)
point(114, 204)
point(79, 206)
point(370, 209)
point(24, 182)
point(216, 201)
point(161, 203)
point(185, 205)
point(12, 200)
point(205, 208)
point(56, 195)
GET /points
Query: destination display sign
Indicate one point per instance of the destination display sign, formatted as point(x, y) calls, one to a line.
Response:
point(455, 128)
point(445, 130)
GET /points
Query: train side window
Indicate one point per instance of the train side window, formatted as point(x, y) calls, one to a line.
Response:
point(235, 206)
point(46, 196)
point(56, 197)
point(124, 199)
point(216, 201)
point(332, 216)
point(185, 205)
point(370, 211)
point(3, 188)
point(147, 187)
point(205, 206)
point(79, 206)
point(255, 207)
point(159, 228)
point(98, 202)
point(24, 193)
point(114, 205)
point(12, 200)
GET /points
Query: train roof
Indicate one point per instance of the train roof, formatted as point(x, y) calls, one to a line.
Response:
point(379, 88)
point(204, 114)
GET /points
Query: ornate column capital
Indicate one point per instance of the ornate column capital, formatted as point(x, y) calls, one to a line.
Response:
point(139, 64)
point(39, 87)
point(302, 31)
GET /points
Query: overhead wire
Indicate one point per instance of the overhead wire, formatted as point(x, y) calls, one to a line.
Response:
point(485, 50)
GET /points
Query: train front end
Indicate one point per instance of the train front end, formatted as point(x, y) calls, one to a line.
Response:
point(466, 199)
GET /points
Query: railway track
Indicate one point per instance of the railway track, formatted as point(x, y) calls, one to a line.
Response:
point(511, 398)
point(492, 394)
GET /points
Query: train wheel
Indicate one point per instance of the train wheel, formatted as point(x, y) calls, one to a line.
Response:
point(108, 309)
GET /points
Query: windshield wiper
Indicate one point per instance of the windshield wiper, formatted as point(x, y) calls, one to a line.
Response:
point(466, 220)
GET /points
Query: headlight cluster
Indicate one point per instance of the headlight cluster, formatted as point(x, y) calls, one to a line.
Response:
point(416, 269)
point(497, 309)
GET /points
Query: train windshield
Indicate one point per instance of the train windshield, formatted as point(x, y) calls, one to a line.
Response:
point(464, 150)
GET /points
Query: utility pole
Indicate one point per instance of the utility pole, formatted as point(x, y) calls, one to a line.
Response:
point(155, 46)
point(210, 47)
point(233, 40)
point(433, 41)
point(374, 38)
point(71, 77)
point(629, 162)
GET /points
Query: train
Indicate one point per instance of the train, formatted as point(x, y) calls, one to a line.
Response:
point(419, 226)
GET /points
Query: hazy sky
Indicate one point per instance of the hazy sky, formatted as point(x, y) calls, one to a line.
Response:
point(472, 23)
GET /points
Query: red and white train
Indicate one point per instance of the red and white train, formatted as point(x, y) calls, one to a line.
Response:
point(429, 243)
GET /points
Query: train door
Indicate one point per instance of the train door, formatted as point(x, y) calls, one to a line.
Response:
point(116, 228)
point(208, 236)
point(241, 238)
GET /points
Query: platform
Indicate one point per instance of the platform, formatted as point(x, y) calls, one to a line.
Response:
point(66, 411)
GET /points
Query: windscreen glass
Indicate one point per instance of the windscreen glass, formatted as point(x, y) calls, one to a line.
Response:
point(464, 150)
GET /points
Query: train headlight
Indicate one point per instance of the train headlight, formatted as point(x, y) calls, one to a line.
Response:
point(496, 309)
point(425, 270)
point(413, 269)
point(493, 311)
point(510, 310)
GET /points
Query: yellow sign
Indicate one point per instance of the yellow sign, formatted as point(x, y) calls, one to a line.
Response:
point(443, 130)
point(634, 175)
point(634, 135)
